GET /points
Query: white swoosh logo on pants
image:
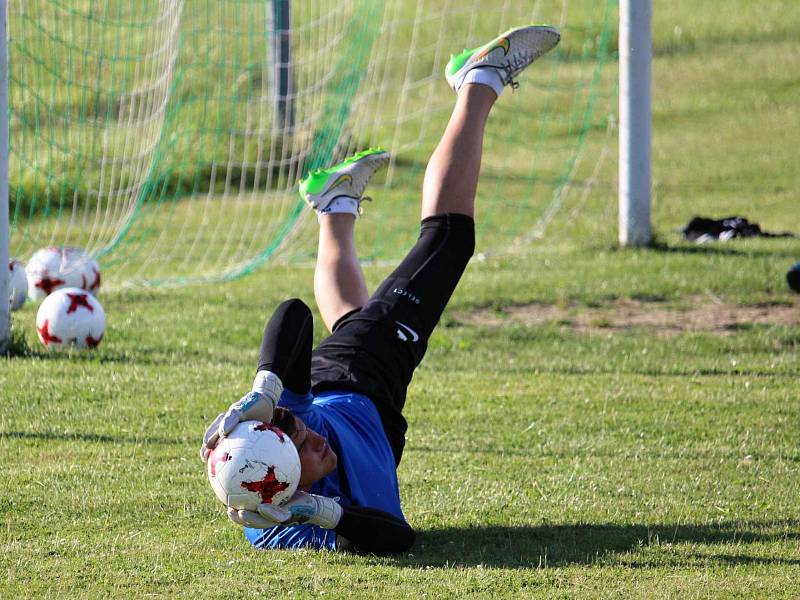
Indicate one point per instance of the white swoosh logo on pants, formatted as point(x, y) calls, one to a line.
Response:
point(403, 336)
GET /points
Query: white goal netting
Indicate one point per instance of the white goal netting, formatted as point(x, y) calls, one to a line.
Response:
point(166, 137)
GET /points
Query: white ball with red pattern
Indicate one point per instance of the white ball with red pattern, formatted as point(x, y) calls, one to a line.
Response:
point(70, 317)
point(52, 268)
point(91, 276)
point(17, 285)
point(253, 464)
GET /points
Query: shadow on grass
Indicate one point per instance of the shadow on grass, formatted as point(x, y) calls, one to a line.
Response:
point(143, 355)
point(74, 436)
point(563, 545)
point(717, 248)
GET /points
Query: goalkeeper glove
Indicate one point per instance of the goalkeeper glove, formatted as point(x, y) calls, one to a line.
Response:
point(301, 508)
point(257, 405)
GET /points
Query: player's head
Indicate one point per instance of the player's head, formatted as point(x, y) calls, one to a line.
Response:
point(317, 459)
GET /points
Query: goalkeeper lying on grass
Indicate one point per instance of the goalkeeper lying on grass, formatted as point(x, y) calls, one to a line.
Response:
point(341, 403)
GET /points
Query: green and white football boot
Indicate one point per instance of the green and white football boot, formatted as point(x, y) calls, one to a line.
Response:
point(506, 55)
point(340, 188)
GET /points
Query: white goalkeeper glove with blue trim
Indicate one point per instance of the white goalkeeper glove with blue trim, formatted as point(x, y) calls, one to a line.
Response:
point(257, 405)
point(301, 508)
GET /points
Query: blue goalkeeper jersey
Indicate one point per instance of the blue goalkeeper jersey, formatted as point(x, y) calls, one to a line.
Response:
point(366, 474)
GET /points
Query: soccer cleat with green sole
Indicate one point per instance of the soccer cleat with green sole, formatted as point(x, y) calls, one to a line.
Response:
point(508, 54)
point(348, 179)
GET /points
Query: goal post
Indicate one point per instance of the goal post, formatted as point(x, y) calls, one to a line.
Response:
point(5, 323)
point(635, 121)
point(280, 17)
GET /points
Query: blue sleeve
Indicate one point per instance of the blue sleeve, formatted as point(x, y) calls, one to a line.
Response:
point(293, 537)
point(297, 403)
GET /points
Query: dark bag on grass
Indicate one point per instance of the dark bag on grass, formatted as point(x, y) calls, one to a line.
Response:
point(703, 229)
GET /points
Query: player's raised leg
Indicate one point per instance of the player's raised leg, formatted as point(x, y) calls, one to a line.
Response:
point(336, 194)
point(339, 285)
point(478, 77)
point(451, 178)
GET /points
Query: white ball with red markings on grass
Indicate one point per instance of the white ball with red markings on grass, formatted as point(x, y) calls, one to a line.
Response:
point(70, 318)
point(17, 285)
point(53, 268)
point(90, 273)
point(255, 463)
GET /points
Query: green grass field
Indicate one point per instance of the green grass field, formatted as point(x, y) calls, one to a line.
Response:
point(559, 457)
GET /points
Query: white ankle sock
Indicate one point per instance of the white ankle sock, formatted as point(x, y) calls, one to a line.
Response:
point(341, 205)
point(488, 77)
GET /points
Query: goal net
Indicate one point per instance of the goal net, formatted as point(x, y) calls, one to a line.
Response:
point(166, 137)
